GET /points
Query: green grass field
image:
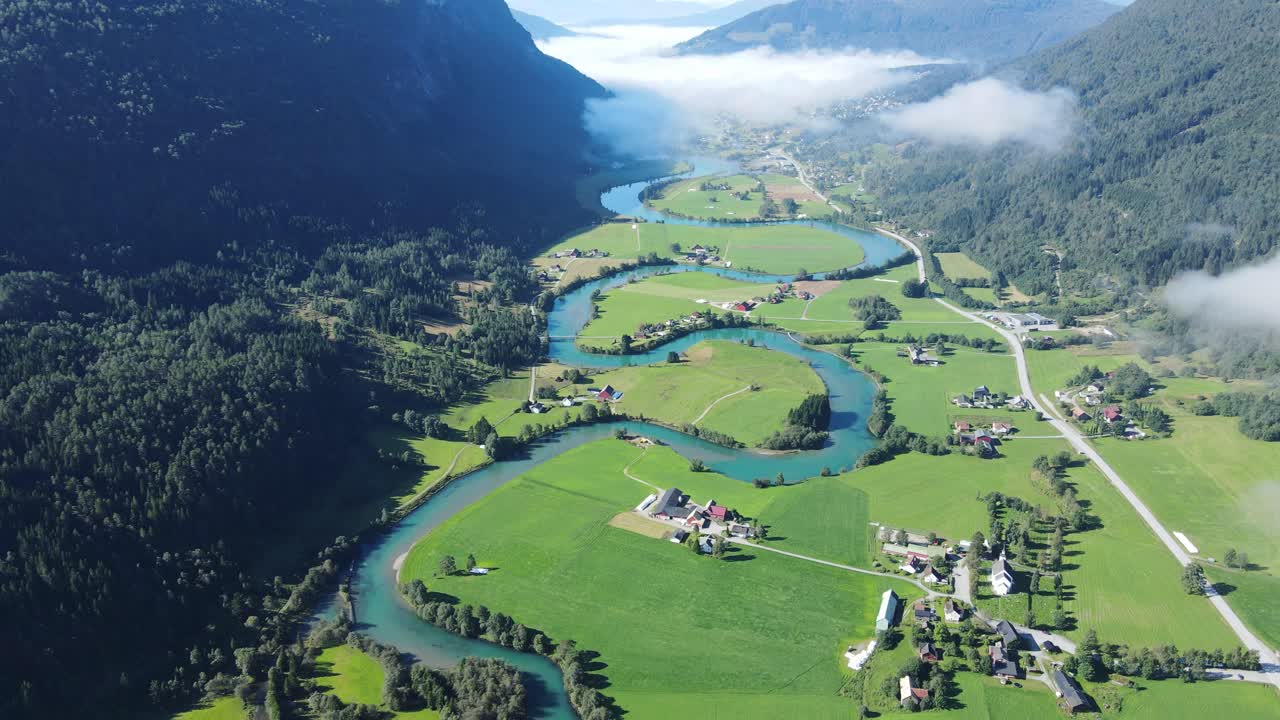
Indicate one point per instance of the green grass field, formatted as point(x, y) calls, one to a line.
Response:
point(227, 708)
point(667, 297)
point(685, 198)
point(1174, 700)
point(1253, 596)
point(959, 266)
point(778, 249)
point(921, 395)
point(763, 631)
point(356, 678)
point(680, 393)
point(440, 456)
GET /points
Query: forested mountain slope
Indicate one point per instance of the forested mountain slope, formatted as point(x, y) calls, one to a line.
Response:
point(972, 30)
point(1175, 167)
point(329, 107)
point(181, 180)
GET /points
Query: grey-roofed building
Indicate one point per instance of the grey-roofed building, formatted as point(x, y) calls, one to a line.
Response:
point(1002, 665)
point(888, 611)
point(669, 503)
point(1007, 633)
point(1070, 696)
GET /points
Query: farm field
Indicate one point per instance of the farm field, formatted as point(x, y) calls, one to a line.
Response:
point(921, 395)
point(562, 568)
point(959, 266)
point(686, 198)
point(227, 708)
point(769, 248)
point(1208, 481)
point(667, 297)
point(1253, 596)
point(1123, 582)
point(1173, 699)
point(356, 678)
point(1051, 369)
point(680, 393)
point(1127, 585)
point(781, 187)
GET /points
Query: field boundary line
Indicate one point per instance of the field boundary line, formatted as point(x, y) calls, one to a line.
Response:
point(717, 402)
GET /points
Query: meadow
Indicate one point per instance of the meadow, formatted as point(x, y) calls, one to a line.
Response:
point(227, 708)
point(355, 678)
point(958, 266)
point(761, 630)
point(680, 393)
point(768, 248)
point(686, 198)
point(1253, 596)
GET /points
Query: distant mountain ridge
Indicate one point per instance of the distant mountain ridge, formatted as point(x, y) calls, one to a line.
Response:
point(971, 30)
point(541, 28)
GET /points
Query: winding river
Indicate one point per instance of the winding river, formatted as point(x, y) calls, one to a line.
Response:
point(382, 614)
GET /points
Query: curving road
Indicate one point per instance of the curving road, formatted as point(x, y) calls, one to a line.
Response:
point(1269, 658)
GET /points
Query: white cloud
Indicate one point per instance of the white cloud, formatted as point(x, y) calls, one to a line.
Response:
point(1244, 299)
point(758, 85)
point(990, 111)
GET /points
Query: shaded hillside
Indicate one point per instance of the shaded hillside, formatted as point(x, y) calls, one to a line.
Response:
point(188, 187)
point(119, 118)
point(973, 30)
point(1176, 167)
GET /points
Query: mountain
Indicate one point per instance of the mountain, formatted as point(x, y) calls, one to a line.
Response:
point(972, 30)
point(598, 12)
point(324, 107)
point(190, 190)
point(1175, 166)
point(718, 16)
point(541, 28)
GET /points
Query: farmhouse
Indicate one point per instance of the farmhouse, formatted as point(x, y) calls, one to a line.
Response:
point(1112, 414)
point(923, 613)
point(740, 530)
point(679, 536)
point(1001, 428)
point(670, 505)
point(718, 513)
point(608, 394)
point(962, 426)
point(910, 565)
point(928, 652)
point(1070, 696)
point(1002, 664)
point(982, 392)
point(1080, 415)
point(1001, 577)
point(932, 576)
point(888, 611)
point(952, 611)
point(1008, 634)
point(908, 693)
point(1017, 402)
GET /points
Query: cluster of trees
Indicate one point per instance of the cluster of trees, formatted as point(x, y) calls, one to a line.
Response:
point(806, 427)
point(711, 436)
point(987, 344)
point(865, 271)
point(931, 676)
point(1095, 660)
point(874, 310)
point(479, 621)
point(915, 288)
point(1235, 559)
point(1259, 414)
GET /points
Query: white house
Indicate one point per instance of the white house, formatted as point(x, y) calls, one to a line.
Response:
point(1001, 578)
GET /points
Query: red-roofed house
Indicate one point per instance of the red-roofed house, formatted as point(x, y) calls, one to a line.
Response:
point(1111, 414)
point(717, 512)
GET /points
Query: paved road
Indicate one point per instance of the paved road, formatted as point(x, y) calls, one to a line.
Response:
point(1269, 658)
